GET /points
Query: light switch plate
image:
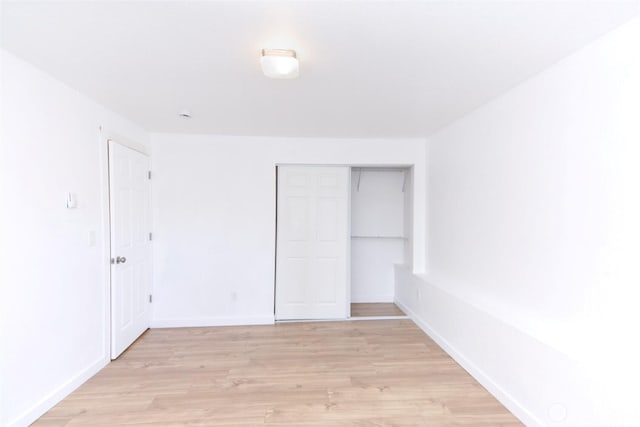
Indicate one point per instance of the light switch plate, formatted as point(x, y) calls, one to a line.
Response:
point(72, 203)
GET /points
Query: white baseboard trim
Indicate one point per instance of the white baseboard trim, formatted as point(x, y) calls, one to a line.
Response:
point(50, 400)
point(485, 380)
point(212, 321)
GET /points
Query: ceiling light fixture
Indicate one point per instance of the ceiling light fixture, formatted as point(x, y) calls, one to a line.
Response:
point(279, 63)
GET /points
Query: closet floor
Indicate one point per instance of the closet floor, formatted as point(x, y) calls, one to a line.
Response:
point(375, 309)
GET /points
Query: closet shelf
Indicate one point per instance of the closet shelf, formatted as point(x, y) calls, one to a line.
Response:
point(379, 237)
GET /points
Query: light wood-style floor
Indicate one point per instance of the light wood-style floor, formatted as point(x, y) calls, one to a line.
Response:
point(375, 309)
point(357, 373)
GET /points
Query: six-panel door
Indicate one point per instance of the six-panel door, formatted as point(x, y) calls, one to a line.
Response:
point(129, 189)
point(312, 275)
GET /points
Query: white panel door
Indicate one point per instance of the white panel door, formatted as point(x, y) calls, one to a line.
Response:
point(129, 190)
point(312, 274)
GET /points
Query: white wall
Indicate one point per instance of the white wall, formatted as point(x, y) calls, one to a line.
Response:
point(54, 282)
point(377, 202)
point(214, 218)
point(534, 224)
point(372, 269)
point(377, 227)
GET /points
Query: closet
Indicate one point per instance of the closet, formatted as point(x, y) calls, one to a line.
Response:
point(339, 232)
point(380, 230)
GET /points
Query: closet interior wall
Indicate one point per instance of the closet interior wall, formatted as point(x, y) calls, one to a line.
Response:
point(380, 229)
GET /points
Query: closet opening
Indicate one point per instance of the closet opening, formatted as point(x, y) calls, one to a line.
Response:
point(381, 207)
point(339, 232)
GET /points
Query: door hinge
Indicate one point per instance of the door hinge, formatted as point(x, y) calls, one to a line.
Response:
point(150, 236)
point(149, 174)
point(150, 298)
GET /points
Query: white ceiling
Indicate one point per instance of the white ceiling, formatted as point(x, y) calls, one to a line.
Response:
point(368, 69)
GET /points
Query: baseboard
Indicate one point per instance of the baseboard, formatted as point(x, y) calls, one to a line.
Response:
point(476, 372)
point(212, 321)
point(49, 401)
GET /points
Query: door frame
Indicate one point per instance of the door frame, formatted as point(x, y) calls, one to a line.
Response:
point(348, 260)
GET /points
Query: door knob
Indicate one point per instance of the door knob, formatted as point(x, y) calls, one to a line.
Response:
point(120, 260)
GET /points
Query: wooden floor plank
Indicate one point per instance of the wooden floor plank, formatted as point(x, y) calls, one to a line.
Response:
point(375, 309)
point(357, 373)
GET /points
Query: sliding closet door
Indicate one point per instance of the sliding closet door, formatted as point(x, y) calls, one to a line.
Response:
point(312, 275)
